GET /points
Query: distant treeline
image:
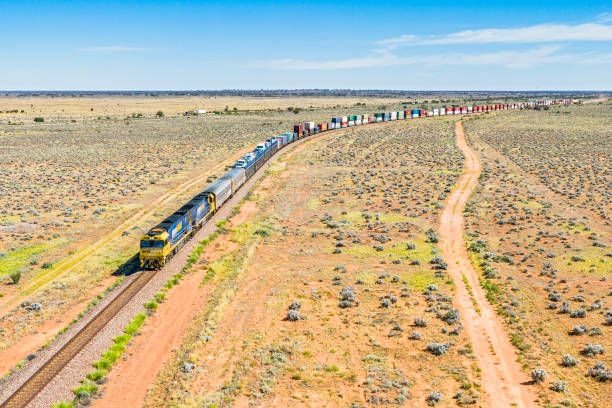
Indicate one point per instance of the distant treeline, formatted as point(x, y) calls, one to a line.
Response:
point(482, 95)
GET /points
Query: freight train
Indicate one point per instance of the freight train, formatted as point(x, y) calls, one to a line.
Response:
point(164, 240)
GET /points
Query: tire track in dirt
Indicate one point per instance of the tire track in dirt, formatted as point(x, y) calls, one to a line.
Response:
point(503, 381)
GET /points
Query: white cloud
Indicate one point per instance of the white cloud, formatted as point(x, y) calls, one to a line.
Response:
point(604, 17)
point(509, 59)
point(534, 34)
point(383, 56)
point(112, 48)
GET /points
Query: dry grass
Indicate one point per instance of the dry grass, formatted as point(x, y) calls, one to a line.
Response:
point(323, 214)
point(539, 225)
point(78, 190)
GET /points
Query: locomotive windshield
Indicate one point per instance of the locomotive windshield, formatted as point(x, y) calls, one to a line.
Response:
point(152, 244)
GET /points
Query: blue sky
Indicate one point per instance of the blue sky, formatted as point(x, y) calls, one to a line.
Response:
point(458, 45)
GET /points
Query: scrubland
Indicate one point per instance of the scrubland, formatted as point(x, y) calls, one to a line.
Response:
point(335, 294)
point(78, 190)
point(538, 226)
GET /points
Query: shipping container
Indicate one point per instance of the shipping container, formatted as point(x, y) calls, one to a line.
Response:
point(298, 129)
point(436, 112)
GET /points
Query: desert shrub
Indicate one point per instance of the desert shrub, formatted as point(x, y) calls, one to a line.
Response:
point(451, 317)
point(151, 305)
point(385, 303)
point(347, 297)
point(438, 349)
point(262, 232)
point(433, 398)
point(595, 331)
point(293, 316)
point(15, 276)
point(122, 339)
point(600, 372)
point(419, 322)
point(96, 375)
point(490, 273)
point(416, 335)
point(39, 119)
point(569, 361)
point(565, 308)
point(411, 246)
point(159, 114)
point(555, 297)
point(341, 268)
point(432, 237)
point(560, 386)
point(591, 350)
point(135, 324)
point(47, 265)
point(63, 405)
point(608, 317)
point(578, 314)
point(578, 330)
point(294, 306)
point(538, 375)
point(111, 356)
point(85, 389)
point(102, 364)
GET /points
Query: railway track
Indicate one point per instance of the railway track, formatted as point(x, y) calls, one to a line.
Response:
point(28, 390)
point(56, 363)
point(49, 370)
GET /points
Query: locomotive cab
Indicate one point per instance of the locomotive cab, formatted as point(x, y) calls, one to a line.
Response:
point(154, 249)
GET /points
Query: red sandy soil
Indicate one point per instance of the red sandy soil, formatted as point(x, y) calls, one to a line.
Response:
point(503, 381)
point(31, 343)
point(129, 380)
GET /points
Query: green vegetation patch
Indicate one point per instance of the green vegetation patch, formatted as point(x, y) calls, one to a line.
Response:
point(357, 216)
point(14, 261)
point(423, 251)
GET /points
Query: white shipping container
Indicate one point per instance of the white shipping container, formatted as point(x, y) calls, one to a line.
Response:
point(345, 119)
point(201, 111)
point(436, 112)
point(358, 122)
point(351, 123)
point(443, 112)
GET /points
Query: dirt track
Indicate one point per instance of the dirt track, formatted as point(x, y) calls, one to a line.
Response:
point(503, 381)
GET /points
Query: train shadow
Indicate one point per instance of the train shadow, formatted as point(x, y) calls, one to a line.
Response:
point(129, 267)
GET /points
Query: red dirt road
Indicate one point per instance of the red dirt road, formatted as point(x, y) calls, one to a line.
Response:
point(503, 381)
